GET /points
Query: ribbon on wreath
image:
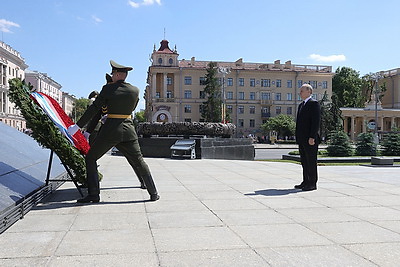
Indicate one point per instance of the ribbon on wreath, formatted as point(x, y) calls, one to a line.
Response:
point(53, 110)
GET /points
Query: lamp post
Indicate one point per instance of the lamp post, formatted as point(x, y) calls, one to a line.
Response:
point(376, 77)
point(224, 71)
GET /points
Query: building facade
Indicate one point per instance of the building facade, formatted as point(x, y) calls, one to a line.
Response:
point(383, 114)
point(12, 65)
point(68, 104)
point(41, 82)
point(252, 92)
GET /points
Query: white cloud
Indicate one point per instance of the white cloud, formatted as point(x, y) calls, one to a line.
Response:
point(331, 58)
point(143, 3)
point(96, 19)
point(5, 25)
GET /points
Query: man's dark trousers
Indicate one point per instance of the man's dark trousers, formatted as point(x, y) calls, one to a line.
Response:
point(308, 156)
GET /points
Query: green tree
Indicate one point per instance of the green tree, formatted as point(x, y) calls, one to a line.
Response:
point(140, 116)
point(365, 145)
point(339, 145)
point(331, 117)
point(368, 87)
point(284, 125)
point(211, 109)
point(80, 106)
point(391, 144)
point(346, 87)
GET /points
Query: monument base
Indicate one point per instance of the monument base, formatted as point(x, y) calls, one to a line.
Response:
point(206, 148)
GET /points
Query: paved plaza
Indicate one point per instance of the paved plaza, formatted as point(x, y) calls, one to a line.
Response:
point(216, 213)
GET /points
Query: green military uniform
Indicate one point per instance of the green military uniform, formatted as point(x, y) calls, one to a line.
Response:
point(121, 98)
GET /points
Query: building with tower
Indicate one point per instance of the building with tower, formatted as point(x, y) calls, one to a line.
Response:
point(252, 92)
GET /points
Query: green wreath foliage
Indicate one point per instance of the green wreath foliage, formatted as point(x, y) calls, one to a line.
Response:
point(44, 131)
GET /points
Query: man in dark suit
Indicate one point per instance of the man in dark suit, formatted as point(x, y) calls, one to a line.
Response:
point(307, 127)
point(120, 98)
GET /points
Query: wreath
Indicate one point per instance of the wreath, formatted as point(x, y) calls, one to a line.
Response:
point(44, 131)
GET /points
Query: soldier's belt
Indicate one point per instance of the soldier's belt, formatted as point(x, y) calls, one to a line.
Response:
point(118, 116)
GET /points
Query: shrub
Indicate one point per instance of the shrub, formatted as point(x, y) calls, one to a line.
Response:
point(391, 144)
point(365, 145)
point(339, 145)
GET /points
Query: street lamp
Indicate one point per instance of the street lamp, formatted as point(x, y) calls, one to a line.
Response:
point(376, 77)
point(224, 71)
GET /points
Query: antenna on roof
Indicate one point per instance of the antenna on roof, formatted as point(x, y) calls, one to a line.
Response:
point(164, 33)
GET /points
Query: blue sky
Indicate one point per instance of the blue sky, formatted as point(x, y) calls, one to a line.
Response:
point(73, 40)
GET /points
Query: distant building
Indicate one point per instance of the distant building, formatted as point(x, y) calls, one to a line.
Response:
point(384, 114)
point(12, 65)
point(41, 82)
point(68, 104)
point(253, 92)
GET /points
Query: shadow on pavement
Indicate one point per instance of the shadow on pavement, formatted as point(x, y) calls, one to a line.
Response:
point(274, 192)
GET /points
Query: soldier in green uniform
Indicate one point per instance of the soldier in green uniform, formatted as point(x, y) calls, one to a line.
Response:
point(121, 98)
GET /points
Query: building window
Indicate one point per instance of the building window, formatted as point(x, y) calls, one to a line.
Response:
point(265, 96)
point(278, 110)
point(240, 109)
point(278, 83)
point(299, 98)
point(299, 83)
point(241, 81)
point(169, 80)
point(188, 120)
point(188, 94)
point(252, 96)
point(324, 85)
point(202, 80)
point(289, 111)
point(188, 109)
point(252, 82)
point(278, 96)
point(289, 83)
point(252, 109)
point(252, 123)
point(229, 95)
point(202, 94)
point(315, 96)
point(157, 94)
point(188, 80)
point(240, 123)
point(265, 83)
point(313, 84)
point(169, 94)
point(289, 96)
point(229, 109)
point(241, 95)
point(229, 82)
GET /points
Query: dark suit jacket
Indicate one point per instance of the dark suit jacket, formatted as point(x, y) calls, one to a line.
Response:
point(308, 121)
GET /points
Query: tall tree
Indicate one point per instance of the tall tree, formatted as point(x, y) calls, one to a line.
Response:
point(331, 117)
point(369, 86)
point(346, 87)
point(79, 108)
point(211, 109)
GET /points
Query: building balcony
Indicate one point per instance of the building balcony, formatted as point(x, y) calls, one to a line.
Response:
point(266, 102)
point(265, 115)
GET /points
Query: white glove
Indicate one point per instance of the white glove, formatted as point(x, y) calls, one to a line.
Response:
point(86, 135)
point(73, 129)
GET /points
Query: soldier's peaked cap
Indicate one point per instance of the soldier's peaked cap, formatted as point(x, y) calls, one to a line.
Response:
point(116, 66)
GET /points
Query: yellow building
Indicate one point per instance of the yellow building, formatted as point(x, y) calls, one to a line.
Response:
point(384, 114)
point(252, 92)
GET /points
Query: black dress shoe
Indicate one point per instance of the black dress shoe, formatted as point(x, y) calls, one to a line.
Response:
point(154, 197)
point(299, 186)
point(89, 199)
point(309, 188)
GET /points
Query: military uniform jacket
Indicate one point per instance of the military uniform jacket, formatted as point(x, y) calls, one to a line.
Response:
point(308, 121)
point(120, 98)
